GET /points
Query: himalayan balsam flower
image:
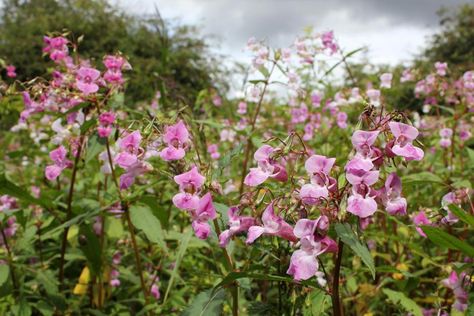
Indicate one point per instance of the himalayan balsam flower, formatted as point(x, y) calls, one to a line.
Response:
point(86, 80)
point(313, 242)
point(176, 138)
point(391, 197)
point(213, 150)
point(267, 168)
point(237, 224)
point(441, 68)
point(189, 185)
point(273, 225)
point(404, 136)
point(11, 71)
point(318, 168)
point(56, 47)
point(446, 134)
point(374, 97)
point(204, 212)
point(362, 201)
point(457, 284)
point(421, 219)
point(58, 156)
point(386, 80)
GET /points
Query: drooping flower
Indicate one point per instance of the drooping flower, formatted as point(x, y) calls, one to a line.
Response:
point(237, 224)
point(86, 80)
point(190, 181)
point(458, 284)
point(11, 71)
point(362, 201)
point(441, 68)
point(318, 168)
point(176, 138)
point(205, 211)
point(391, 197)
point(386, 80)
point(60, 162)
point(366, 153)
point(404, 136)
point(374, 96)
point(273, 225)
point(421, 219)
point(313, 242)
point(446, 134)
point(213, 150)
point(268, 167)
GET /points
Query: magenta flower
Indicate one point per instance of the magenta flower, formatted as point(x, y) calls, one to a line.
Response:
point(318, 168)
point(342, 120)
point(176, 137)
point(421, 220)
point(132, 171)
point(190, 181)
point(56, 47)
point(441, 68)
point(391, 197)
point(186, 201)
point(242, 108)
point(313, 242)
point(362, 201)
point(11, 71)
point(131, 142)
point(204, 212)
point(267, 168)
point(458, 284)
point(213, 150)
point(237, 224)
point(366, 153)
point(404, 136)
point(86, 80)
point(273, 225)
point(58, 156)
point(155, 291)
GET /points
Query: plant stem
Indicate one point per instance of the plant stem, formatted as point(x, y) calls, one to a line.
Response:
point(252, 128)
point(10, 260)
point(336, 303)
point(69, 213)
point(235, 287)
point(138, 262)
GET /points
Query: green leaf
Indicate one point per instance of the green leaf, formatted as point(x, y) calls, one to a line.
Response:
point(232, 276)
point(422, 177)
point(87, 124)
point(143, 219)
point(9, 188)
point(398, 298)
point(461, 214)
point(348, 237)
point(94, 147)
point(4, 274)
point(76, 108)
point(318, 300)
point(206, 303)
point(445, 240)
point(90, 246)
point(179, 257)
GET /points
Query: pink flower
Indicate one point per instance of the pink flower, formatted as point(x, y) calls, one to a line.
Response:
point(386, 80)
point(342, 120)
point(404, 136)
point(190, 181)
point(186, 201)
point(421, 220)
point(242, 108)
point(11, 71)
point(176, 137)
point(56, 47)
point(313, 242)
point(267, 168)
point(133, 171)
point(391, 197)
point(213, 151)
point(316, 99)
point(86, 80)
point(273, 225)
point(107, 118)
point(362, 201)
point(155, 291)
point(237, 224)
point(458, 284)
point(407, 75)
point(363, 142)
point(318, 168)
point(374, 96)
point(58, 156)
point(131, 142)
point(217, 100)
point(441, 68)
point(204, 212)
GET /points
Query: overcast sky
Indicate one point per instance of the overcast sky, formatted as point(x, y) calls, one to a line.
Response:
point(393, 30)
